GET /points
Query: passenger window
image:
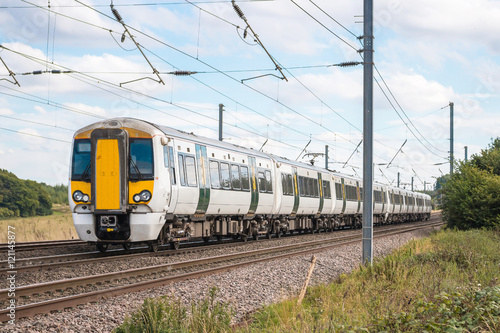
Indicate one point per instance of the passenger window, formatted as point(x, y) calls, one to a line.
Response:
point(283, 184)
point(269, 182)
point(182, 172)
point(191, 171)
point(315, 188)
point(262, 182)
point(235, 177)
point(308, 182)
point(289, 183)
point(302, 186)
point(225, 177)
point(338, 191)
point(245, 181)
point(172, 165)
point(214, 174)
point(168, 161)
point(326, 189)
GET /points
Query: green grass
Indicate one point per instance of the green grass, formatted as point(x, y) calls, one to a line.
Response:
point(448, 282)
point(57, 226)
point(165, 314)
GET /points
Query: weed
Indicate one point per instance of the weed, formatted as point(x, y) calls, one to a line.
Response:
point(165, 314)
point(448, 282)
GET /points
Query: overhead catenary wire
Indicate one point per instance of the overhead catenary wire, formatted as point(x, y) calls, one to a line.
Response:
point(203, 62)
point(120, 19)
point(11, 74)
point(253, 89)
point(35, 135)
point(386, 96)
point(238, 10)
point(104, 82)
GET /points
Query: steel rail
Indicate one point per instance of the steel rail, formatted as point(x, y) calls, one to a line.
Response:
point(41, 244)
point(71, 301)
point(61, 260)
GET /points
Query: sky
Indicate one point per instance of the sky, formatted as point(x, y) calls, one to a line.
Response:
point(427, 54)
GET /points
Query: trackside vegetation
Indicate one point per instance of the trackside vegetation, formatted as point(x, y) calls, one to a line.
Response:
point(446, 283)
point(170, 315)
point(471, 196)
point(24, 198)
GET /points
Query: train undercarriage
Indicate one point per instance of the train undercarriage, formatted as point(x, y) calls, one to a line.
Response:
point(115, 230)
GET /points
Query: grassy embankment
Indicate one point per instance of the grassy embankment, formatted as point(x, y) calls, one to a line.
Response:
point(59, 225)
point(449, 282)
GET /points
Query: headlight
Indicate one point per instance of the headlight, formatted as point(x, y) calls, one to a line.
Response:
point(78, 196)
point(145, 195)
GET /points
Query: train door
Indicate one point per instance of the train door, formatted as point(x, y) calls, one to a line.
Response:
point(358, 194)
point(203, 180)
point(170, 165)
point(321, 195)
point(253, 186)
point(344, 203)
point(109, 170)
point(296, 197)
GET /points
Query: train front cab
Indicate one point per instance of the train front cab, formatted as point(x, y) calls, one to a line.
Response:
point(112, 187)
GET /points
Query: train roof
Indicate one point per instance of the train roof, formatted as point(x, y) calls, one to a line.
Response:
point(156, 129)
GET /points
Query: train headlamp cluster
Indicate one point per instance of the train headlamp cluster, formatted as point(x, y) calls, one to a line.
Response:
point(145, 196)
point(79, 196)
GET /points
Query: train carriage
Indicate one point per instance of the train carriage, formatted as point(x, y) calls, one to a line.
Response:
point(133, 181)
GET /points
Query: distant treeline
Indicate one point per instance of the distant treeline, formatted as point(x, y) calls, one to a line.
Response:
point(19, 197)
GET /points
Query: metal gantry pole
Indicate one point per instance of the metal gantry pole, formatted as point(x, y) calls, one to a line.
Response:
point(451, 138)
point(326, 157)
point(368, 133)
point(221, 109)
point(465, 153)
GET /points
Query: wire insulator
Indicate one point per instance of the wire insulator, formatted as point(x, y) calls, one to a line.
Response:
point(182, 73)
point(238, 10)
point(117, 15)
point(349, 64)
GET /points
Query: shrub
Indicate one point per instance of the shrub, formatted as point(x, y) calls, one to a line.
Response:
point(472, 199)
point(474, 311)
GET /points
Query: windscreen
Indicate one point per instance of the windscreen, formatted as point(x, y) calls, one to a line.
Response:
point(80, 165)
point(141, 159)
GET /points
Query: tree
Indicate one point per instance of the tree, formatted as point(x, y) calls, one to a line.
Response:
point(471, 197)
point(20, 197)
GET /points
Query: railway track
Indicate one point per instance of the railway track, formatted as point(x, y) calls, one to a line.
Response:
point(26, 246)
point(154, 276)
point(66, 260)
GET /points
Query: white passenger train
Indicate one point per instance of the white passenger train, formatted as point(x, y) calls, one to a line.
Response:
point(134, 181)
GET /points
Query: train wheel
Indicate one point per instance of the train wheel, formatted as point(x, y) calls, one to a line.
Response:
point(235, 237)
point(278, 234)
point(102, 247)
point(219, 237)
point(153, 246)
point(269, 235)
point(127, 246)
point(205, 239)
point(244, 238)
point(174, 245)
point(256, 237)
